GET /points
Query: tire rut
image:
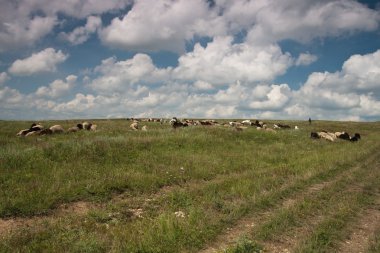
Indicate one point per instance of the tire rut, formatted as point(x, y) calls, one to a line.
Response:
point(249, 223)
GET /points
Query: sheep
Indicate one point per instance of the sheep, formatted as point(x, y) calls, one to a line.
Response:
point(296, 128)
point(324, 135)
point(23, 132)
point(36, 127)
point(33, 128)
point(32, 133)
point(73, 129)
point(235, 124)
point(328, 136)
point(356, 137)
point(134, 126)
point(247, 122)
point(342, 135)
point(314, 135)
point(174, 122)
point(270, 130)
point(280, 126)
point(144, 128)
point(86, 125)
point(93, 127)
point(56, 129)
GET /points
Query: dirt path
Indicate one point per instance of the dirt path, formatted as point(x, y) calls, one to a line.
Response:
point(81, 208)
point(285, 244)
point(247, 224)
point(368, 222)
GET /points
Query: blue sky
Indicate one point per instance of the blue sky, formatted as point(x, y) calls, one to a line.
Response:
point(262, 59)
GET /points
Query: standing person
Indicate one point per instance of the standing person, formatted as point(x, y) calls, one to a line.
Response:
point(309, 121)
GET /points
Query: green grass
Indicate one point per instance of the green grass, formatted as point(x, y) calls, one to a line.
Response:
point(214, 175)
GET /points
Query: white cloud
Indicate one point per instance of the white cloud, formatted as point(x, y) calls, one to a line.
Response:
point(81, 34)
point(167, 25)
point(353, 92)
point(43, 61)
point(222, 62)
point(119, 76)
point(305, 59)
point(75, 8)
point(25, 22)
point(3, 77)
point(363, 72)
point(276, 99)
point(162, 25)
point(10, 98)
point(16, 33)
point(303, 21)
point(57, 88)
point(80, 103)
point(202, 85)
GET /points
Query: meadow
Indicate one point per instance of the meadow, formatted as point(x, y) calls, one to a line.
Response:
point(194, 189)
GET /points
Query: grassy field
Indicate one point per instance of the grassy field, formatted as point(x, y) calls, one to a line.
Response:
point(196, 189)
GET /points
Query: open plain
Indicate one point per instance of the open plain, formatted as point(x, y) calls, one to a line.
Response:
point(193, 189)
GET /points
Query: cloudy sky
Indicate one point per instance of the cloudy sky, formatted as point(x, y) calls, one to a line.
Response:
point(265, 59)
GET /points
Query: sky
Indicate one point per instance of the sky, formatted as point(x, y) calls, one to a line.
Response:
point(258, 59)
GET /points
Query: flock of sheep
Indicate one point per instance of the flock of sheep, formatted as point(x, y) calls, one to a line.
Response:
point(38, 129)
point(239, 126)
point(334, 136)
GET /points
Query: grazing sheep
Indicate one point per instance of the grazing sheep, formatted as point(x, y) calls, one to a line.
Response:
point(144, 128)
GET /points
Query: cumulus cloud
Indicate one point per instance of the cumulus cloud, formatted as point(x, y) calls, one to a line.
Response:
point(305, 59)
point(57, 88)
point(304, 21)
point(81, 34)
point(119, 75)
point(167, 25)
point(16, 33)
point(43, 61)
point(223, 62)
point(276, 99)
point(162, 25)
point(202, 85)
point(355, 90)
point(25, 22)
point(359, 74)
point(3, 77)
point(10, 97)
point(80, 103)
